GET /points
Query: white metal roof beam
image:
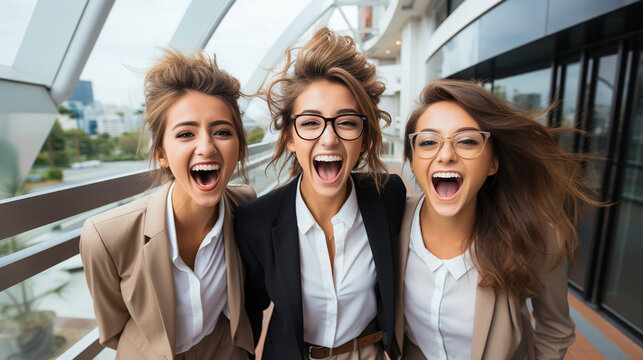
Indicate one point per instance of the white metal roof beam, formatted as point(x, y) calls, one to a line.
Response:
point(80, 47)
point(356, 37)
point(198, 24)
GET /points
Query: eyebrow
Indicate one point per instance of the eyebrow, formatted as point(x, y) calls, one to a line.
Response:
point(196, 124)
point(340, 111)
point(457, 131)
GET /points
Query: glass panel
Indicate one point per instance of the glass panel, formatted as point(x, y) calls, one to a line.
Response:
point(529, 90)
point(41, 317)
point(624, 289)
point(511, 24)
point(563, 14)
point(568, 105)
point(600, 122)
point(14, 19)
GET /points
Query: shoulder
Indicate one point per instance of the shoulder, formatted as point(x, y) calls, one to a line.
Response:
point(115, 228)
point(391, 187)
point(122, 213)
point(271, 201)
point(240, 193)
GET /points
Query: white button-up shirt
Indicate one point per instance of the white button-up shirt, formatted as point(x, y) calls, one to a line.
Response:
point(337, 306)
point(201, 295)
point(439, 298)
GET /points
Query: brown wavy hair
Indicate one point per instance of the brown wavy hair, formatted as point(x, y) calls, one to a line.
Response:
point(535, 196)
point(173, 76)
point(328, 56)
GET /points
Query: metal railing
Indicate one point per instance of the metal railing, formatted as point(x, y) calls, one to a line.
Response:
point(27, 212)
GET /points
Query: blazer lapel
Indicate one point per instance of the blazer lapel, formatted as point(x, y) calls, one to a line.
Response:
point(404, 240)
point(285, 242)
point(483, 314)
point(376, 222)
point(159, 271)
point(240, 330)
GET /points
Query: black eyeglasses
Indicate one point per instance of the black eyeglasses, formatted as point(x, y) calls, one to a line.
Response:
point(347, 127)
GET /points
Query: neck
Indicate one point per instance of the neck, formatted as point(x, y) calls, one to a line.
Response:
point(321, 207)
point(189, 215)
point(445, 236)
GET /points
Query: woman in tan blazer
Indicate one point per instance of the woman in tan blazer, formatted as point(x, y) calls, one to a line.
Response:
point(491, 230)
point(164, 271)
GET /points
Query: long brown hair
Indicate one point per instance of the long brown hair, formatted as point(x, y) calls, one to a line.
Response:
point(536, 194)
point(328, 56)
point(172, 77)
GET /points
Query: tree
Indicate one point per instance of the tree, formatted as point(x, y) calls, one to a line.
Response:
point(55, 145)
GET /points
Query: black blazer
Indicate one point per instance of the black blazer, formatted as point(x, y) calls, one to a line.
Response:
point(268, 239)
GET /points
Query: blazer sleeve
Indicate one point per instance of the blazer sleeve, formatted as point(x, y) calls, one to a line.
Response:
point(554, 331)
point(255, 288)
point(104, 286)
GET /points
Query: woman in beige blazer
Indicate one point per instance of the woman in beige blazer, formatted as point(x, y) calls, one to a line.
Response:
point(164, 271)
point(491, 230)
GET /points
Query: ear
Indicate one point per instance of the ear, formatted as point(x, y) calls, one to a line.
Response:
point(160, 158)
point(290, 144)
point(493, 167)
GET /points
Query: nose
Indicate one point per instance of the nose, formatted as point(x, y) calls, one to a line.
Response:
point(446, 153)
point(329, 137)
point(205, 145)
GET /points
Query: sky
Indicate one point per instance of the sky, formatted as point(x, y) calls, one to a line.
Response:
point(135, 32)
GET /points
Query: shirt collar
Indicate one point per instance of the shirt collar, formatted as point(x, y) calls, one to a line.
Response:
point(346, 215)
point(457, 266)
point(213, 234)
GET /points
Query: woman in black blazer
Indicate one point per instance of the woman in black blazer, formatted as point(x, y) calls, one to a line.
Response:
point(321, 248)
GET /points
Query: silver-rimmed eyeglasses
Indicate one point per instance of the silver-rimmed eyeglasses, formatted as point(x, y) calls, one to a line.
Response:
point(311, 126)
point(467, 144)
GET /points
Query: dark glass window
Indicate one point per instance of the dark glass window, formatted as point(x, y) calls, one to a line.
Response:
point(528, 91)
point(624, 288)
point(568, 103)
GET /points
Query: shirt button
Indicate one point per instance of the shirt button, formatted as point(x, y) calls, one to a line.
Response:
point(340, 248)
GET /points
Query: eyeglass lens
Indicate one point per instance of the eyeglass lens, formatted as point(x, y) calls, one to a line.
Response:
point(347, 127)
point(467, 144)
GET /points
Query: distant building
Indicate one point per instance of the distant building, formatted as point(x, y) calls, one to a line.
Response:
point(83, 92)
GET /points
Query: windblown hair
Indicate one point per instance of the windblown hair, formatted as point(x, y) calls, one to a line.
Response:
point(332, 57)
point(535, 196)
point(173, 76)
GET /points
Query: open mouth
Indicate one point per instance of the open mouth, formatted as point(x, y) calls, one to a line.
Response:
point(328, 167)
point(446, 184)
point(205, 175)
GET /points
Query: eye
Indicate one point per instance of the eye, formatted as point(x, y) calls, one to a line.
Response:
point(427, 142)
point(468, 141)
point(184, 134)
point(223, 133)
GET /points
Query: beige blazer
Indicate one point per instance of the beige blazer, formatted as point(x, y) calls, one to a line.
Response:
point(126, 256)
point(501, 325)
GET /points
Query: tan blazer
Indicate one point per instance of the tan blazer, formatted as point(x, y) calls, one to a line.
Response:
point(128, 268)
point(501, 324)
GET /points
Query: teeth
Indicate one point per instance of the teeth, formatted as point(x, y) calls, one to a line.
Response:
point(328, 158)
point(205, 167)
point(446, 175)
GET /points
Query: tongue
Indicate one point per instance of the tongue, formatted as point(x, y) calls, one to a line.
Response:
point(446, 188)
point(328, 170)
point(205, 178)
